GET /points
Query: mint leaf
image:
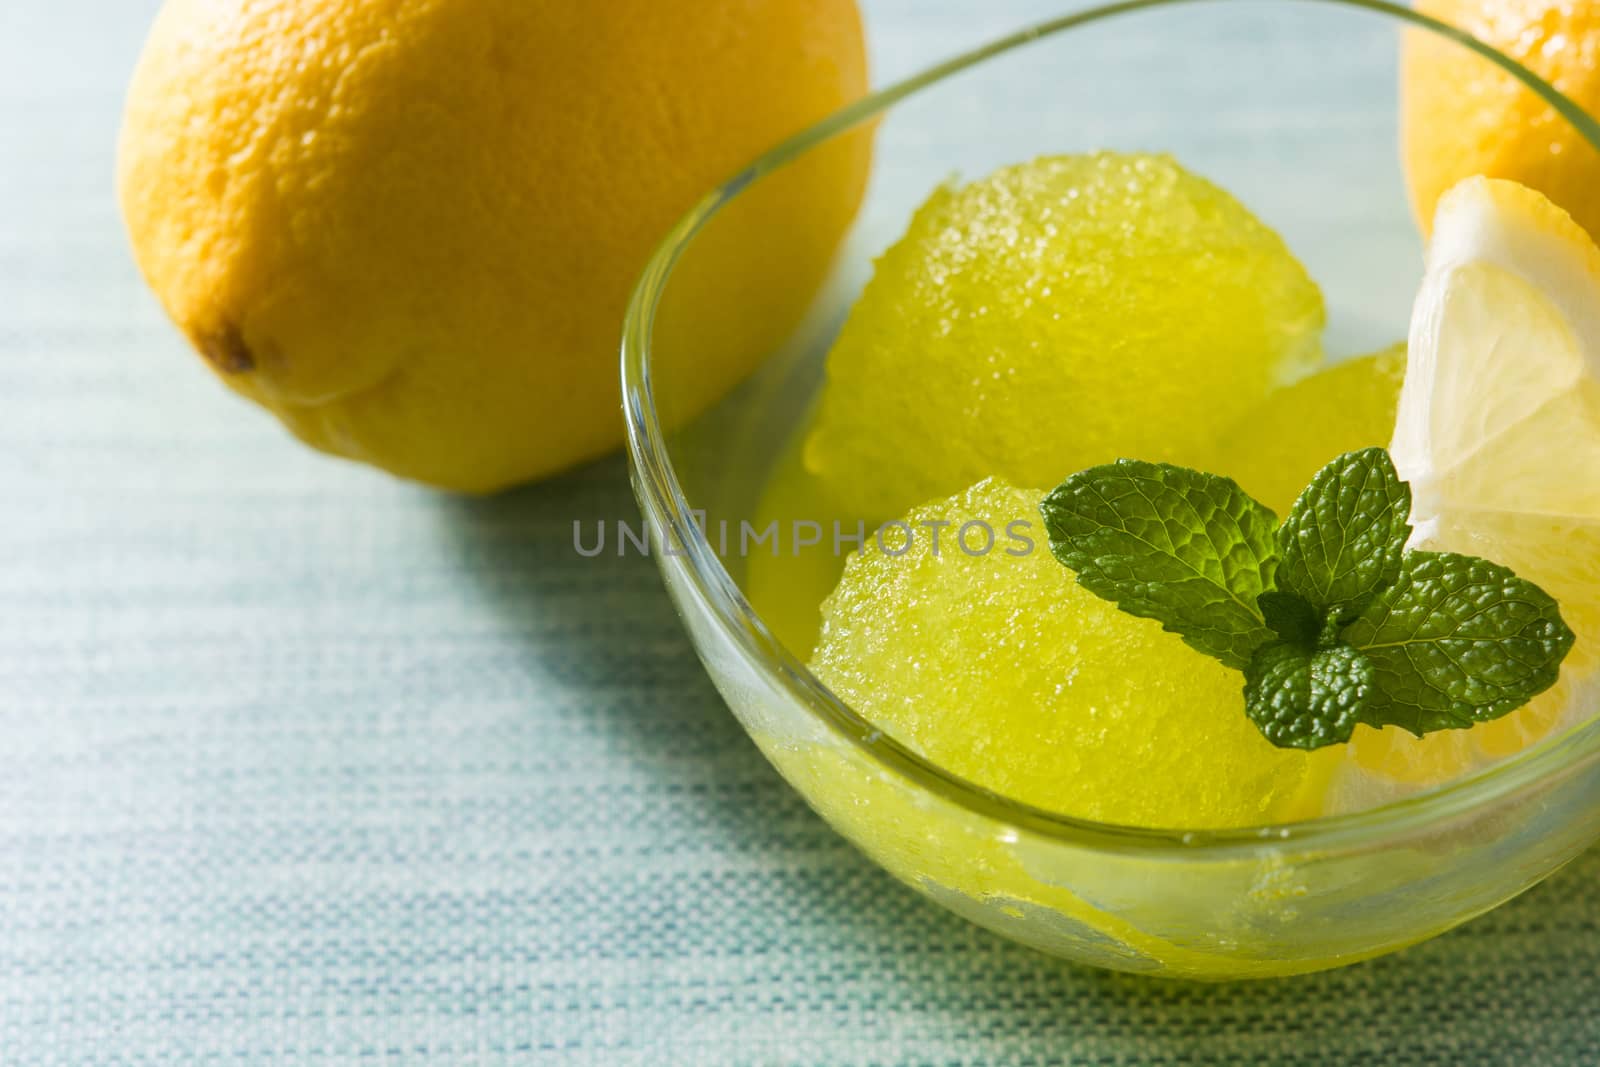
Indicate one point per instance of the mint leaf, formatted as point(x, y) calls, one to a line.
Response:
point(1332, 620)
point(1346, 534)
point(1190, 550)
point(1457, 640)
point(1306, 698)
point(1291, 617)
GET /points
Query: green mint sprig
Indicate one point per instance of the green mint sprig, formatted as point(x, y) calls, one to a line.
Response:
point(1332, 620)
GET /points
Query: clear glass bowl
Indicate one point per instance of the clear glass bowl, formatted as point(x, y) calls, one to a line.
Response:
point(1312, 148)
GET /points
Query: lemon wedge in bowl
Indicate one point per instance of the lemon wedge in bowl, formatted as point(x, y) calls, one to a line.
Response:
point(1498, 432)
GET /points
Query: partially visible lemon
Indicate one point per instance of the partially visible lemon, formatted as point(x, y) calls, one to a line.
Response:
point(1498, 432)
point(1462, 116)
point(411, 229)
point(1051, 316)
point(999, 667)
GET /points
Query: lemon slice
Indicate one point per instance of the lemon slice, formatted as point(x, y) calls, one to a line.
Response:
point(1498, 432)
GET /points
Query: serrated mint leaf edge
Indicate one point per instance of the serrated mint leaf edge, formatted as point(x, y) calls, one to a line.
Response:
point(1240, 628)
point(1331, 584)
point(1338, 684)
point(1451, 710)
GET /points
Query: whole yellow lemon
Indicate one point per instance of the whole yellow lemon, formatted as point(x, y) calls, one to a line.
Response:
point(1462, 116)
point(410, 229)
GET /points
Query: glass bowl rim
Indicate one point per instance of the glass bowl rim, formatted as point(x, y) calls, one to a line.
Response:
point(665, 508)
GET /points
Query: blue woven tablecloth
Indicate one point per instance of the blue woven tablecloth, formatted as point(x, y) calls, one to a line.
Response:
point(301, 764)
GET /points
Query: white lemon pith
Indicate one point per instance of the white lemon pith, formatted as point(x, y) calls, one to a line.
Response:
point(1498, 432)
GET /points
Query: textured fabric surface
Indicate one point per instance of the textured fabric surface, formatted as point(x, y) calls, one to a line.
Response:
point(301, 765)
